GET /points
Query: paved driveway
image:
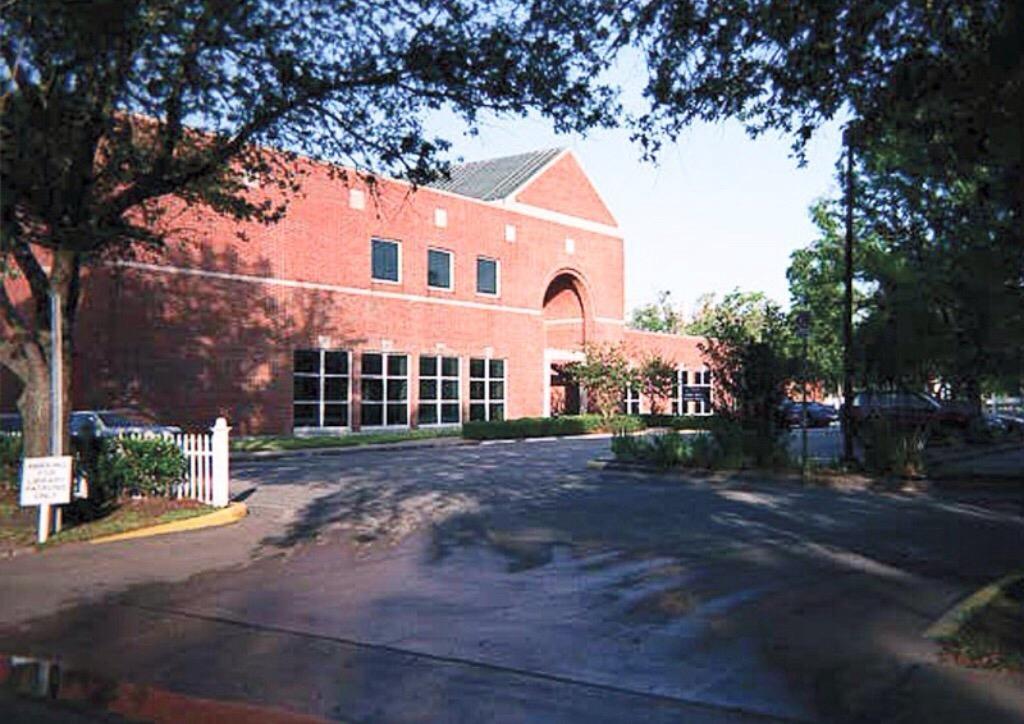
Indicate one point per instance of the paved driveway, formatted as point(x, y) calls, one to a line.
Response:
point(507, 582)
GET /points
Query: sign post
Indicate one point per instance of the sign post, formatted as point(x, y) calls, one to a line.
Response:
point(803, 330)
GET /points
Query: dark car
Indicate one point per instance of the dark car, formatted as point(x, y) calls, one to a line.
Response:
point(900, 407)
point(818, 414)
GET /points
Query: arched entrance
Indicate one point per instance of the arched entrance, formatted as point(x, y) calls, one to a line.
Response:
point(566, 324)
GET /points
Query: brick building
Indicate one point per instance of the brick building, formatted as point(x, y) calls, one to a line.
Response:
point(372, 308)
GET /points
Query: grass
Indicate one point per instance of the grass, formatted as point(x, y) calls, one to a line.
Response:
point(993, 635)
point(18, 526)
point(268, 443)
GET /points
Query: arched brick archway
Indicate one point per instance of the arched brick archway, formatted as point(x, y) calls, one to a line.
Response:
point(567, 325)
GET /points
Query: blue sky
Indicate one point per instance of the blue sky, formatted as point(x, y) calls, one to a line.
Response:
point(718, 211)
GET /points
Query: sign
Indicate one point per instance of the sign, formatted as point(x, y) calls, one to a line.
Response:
point(46, 481)
point(697, 394)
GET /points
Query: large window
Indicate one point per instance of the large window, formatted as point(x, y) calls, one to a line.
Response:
point(678, 403)
point(439, 391)
point(320, 379)
point(486, 389)
point(385, 387)
point(386, 260)
point(692, 397)
point(487, 275)
point(439, 269)
point(702, 392)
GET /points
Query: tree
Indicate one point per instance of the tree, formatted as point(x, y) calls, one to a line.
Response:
point(660, 316)
point(747, 311)
point(605, 373)
point(656, 379)
point(115, 113)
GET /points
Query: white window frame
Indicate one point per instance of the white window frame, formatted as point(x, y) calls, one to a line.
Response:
point(439, 378)
point(398, 244)
point(322, 375)
point(451, 269)
point(678, 403)
point(632, 396)
point(383, 403)
point(703, 374)
point(497, 277)
point(487, 379)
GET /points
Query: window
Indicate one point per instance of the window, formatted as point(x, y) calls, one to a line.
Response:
point(678, 402)
point(439, 269)
point(387, 260)
point(701, 390)
point(385, 387)
point(486, 389)
point(439, 391)
point(486, 275)
point(320, 391)
point(631, 401)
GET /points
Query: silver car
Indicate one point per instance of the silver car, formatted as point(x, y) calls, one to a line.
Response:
point(110, 423)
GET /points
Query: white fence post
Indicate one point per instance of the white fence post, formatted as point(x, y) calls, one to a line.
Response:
point(221, 470)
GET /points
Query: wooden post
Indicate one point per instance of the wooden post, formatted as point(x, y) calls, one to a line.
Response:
point(221, 466)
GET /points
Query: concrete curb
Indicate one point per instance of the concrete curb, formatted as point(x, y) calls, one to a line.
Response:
point(225, 516)
point(950, 623)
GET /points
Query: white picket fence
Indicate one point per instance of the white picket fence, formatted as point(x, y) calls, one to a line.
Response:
point(207, 454)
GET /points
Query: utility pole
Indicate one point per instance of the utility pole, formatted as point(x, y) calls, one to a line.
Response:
point(848, 305)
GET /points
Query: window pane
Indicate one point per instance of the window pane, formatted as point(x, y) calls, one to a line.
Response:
point(336, 389)
point(306, 388)
point(385, 260)
point(497, 412)
point(398, 389)
point(450, 366)
point(372, 415)
point(372, 364)
point(336, 415)
point(497, 368)
point(439, 269)
point(306, 415)
point(476, 390)
point(398, 365)
point(477, 412)
point(373, 390)
point(486, 276)
point(684, 376)
point(428, 415)
point(450, 389)
point(397, 414)
point(307, 360)
point(449, 413)
point(476, 368)
point(428, 366)
point(497, 390)
point(428, 389)
point(336, 363)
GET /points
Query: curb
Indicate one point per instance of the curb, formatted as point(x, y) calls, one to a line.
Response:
point(260, 455)
point(225, 516)
point(949, 623)
point(946, 458)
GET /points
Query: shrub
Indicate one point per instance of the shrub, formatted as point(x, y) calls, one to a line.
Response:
point(146, 466)
point(10, 460)
point(549, 427)
point(893, 449)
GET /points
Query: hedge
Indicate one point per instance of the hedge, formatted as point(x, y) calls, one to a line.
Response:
point(549, 427)
point(679, 422)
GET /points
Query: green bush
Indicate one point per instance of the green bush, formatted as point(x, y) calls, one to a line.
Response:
point(549, 427)
point(146, 466)
point(679, 422)
point(893, 449)
point(10, 460)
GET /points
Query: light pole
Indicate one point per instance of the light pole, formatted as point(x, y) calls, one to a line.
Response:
point(848, 305)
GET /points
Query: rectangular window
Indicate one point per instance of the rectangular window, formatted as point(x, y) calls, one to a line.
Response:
point(631, 401)
point(439, 391)
point(678, 401)
point(486, 275)
point(386, 259)
point(385, 388)
point(486, 389)
point(320, 388)
point(701, 392)
point(439, 269)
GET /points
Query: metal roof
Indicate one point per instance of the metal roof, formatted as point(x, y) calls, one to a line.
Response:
point(495, 178)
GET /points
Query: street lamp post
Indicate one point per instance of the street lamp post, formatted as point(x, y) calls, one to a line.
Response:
point(848, 306)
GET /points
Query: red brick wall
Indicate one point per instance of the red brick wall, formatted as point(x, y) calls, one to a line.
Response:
point(564, 187)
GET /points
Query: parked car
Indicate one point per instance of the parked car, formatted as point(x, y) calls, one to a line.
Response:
point(900, 407)
point(818, 414)
point(108, 423)
point(10, 423)
point(1014, 423)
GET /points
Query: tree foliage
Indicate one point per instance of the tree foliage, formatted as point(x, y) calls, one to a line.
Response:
point(605, 373)
point(660, 316)
point(656, 378)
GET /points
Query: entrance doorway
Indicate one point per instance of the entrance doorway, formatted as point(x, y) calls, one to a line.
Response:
point(565, 394)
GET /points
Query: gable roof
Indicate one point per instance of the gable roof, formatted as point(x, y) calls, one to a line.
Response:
point(495, 178)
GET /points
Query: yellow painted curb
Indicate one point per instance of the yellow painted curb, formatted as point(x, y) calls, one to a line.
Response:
point(951, 621)
point(231, 514)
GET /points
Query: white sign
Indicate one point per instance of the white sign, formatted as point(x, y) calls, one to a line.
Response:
point(46, 481)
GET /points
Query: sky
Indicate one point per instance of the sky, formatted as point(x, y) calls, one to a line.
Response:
point(718, 211)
